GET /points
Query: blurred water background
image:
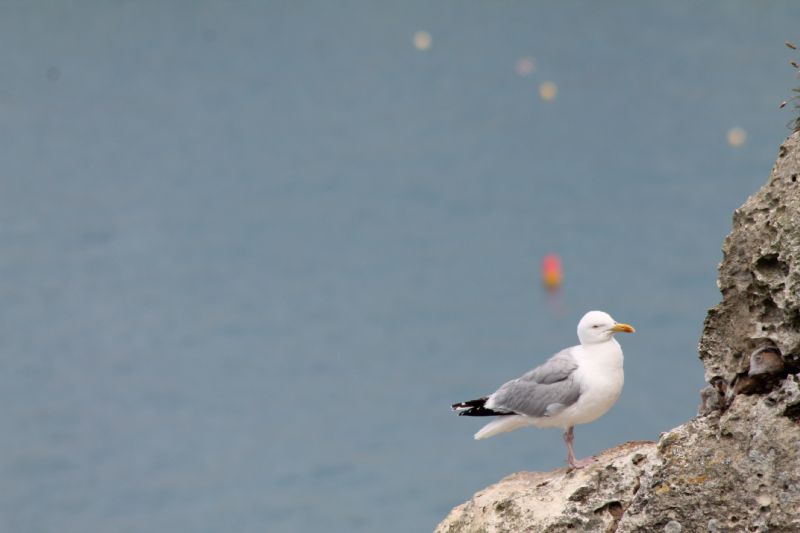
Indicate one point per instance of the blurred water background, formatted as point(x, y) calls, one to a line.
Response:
point(251, 251)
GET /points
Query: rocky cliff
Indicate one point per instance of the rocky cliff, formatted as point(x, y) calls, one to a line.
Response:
point(735, 467)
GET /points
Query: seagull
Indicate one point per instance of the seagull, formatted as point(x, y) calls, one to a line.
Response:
point(575, 386)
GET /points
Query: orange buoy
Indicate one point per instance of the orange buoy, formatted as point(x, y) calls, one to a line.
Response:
point(552, 274)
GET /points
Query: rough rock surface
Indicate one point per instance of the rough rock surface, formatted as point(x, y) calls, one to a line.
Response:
point(591, 499)
point(738, 471)
point(759, 276)
point(734, 469)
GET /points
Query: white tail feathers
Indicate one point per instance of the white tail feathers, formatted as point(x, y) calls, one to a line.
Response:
point(501, 425)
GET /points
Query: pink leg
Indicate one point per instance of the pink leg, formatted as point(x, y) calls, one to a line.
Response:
point(575, 463)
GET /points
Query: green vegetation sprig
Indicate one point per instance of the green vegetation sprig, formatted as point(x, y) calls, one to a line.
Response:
point(795, 123)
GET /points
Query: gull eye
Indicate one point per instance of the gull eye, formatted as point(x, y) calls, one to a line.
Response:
point(596, 326)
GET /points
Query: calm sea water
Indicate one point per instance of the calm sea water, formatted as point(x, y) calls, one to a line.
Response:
point(250, 252)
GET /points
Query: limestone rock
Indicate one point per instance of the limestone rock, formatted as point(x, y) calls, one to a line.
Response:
point(590, 499)
point(759, 275)
point(739, 471)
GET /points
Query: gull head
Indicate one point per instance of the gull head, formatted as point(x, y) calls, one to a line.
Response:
point(597, 326)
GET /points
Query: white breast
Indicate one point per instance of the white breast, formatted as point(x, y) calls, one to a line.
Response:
point(601, 377)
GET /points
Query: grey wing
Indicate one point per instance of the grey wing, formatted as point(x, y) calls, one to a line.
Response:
point(544, 391)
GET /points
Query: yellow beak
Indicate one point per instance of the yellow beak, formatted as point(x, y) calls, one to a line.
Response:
point(625, 328)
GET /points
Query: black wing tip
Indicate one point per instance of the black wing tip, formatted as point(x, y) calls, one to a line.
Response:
point(476, 408)
point(471, 403)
